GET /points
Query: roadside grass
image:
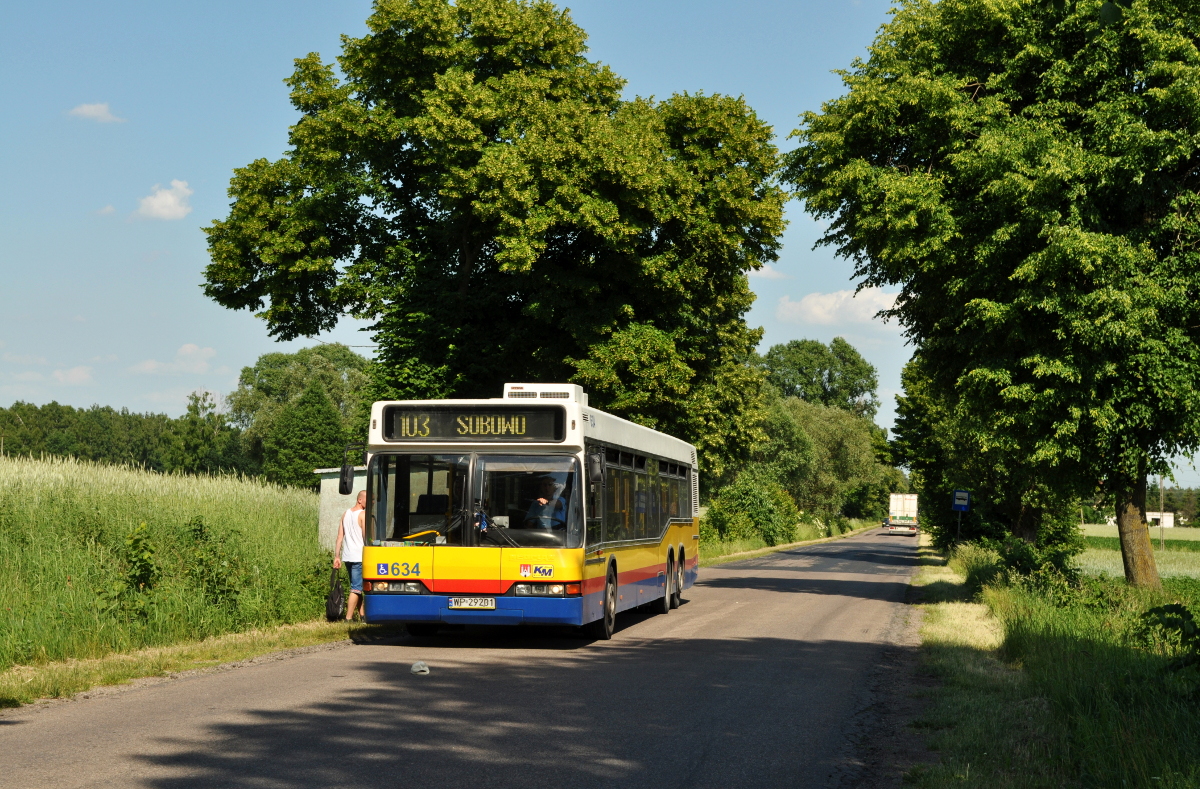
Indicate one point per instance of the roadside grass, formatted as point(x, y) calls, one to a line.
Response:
point(83, 577)
point(714, 552)
point(26, 684)
point(1048, 685)
point(988, 724)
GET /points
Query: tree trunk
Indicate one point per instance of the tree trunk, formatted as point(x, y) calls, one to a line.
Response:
point(1136, 551)
point(1027, 524)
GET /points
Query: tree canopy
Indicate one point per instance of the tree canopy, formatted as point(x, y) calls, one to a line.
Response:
point(1027, 173)
point(834, 375)
point(306, 435)
point(277, 379)
point(471, 182)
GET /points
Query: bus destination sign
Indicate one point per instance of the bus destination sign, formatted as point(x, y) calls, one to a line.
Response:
point(473, 423)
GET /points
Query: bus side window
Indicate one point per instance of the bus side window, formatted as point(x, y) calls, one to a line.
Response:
point(595, 498)
point(654, 521)
point(642, 500)
point(613, 513)
point(627, 503)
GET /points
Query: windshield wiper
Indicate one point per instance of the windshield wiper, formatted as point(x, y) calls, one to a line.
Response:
point(498, 531)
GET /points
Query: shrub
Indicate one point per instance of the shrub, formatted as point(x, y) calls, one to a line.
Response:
point(753, 506)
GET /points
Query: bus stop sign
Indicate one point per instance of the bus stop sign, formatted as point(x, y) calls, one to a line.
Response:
point(962, 501)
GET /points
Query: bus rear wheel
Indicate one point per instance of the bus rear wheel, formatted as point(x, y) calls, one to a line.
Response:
point(663, 604)
point(602, 629)
point(677, 592)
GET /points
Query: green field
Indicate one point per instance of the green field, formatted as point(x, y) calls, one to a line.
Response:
point(83, 577)
point(1177, 533)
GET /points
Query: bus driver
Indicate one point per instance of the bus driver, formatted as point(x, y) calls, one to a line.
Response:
point(548, 511)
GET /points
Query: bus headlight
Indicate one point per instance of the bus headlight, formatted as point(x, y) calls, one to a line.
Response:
point(410, 587)
point(542, 590)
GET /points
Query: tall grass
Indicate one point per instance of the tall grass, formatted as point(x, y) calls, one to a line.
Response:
point(82, 576)
point(1076, 690)
point(1127, 719)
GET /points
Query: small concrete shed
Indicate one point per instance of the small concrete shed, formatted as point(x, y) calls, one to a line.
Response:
point(334, 504)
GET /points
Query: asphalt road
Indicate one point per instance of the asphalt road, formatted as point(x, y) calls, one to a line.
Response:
point(762, 678)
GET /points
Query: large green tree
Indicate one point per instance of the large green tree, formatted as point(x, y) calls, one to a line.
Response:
point(1027, 173)
point(835, 375)
point(472, 183)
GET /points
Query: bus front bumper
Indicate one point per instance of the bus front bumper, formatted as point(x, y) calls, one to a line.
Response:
point(508, 610)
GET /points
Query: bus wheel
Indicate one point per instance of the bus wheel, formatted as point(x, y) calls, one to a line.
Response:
point(602, 629)
point(663, 604)
point(677, 592)
point(421, 629)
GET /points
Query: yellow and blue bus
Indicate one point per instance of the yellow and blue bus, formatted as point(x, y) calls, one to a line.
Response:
point(531, 508)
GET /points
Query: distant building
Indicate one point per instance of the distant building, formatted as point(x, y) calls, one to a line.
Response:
point(1153, 518)
point(334, 504)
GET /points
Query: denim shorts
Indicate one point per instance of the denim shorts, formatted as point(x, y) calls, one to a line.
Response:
point(355, 570)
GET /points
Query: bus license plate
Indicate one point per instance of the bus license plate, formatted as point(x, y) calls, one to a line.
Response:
point(472, 602)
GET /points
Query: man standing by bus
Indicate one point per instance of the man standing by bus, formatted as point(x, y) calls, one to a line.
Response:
point(349, 549)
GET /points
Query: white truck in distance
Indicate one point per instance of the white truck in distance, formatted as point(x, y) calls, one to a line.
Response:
point(902, 514)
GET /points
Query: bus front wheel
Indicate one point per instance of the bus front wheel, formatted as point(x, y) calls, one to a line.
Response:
point(602, 629)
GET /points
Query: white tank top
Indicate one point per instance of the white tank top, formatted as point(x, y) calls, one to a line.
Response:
point(352, 537)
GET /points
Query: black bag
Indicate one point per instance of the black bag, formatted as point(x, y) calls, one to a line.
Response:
point(335, 604)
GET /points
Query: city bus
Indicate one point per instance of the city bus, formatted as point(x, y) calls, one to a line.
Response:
point(530, 508)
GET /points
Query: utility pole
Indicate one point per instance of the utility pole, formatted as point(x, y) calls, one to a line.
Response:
point(1162, 516)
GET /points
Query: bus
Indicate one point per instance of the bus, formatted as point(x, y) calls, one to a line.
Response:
point(530, 508)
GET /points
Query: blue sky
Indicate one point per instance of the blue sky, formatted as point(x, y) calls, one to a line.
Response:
point(124, 121)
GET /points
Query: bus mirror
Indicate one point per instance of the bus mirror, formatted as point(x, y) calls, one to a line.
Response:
point(596, 469)
point(346, 477)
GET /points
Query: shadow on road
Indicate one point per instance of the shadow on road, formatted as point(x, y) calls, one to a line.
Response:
point(686, 712)
point(866, 589)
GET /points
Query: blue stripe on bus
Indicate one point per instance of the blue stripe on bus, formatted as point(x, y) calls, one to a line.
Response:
point(508, 611)
point(515, 610)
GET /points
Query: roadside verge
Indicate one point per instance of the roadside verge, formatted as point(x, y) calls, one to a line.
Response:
point(743, 555)
point(22, 685)
point(986, 718)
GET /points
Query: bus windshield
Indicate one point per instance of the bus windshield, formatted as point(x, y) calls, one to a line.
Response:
point(516, 501)
point(528, 501)
point(418, 498)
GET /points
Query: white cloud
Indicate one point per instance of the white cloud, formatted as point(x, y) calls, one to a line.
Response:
point(768, 272)
point(839, 307)
point(29, 376)
point(75, 376)
point(108, 209)
point(24, 359)
point(166, 203)
point(112, 357)
point(96, 112)
point(190, 358)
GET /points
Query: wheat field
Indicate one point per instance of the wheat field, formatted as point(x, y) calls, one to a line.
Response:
point(83, 577)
